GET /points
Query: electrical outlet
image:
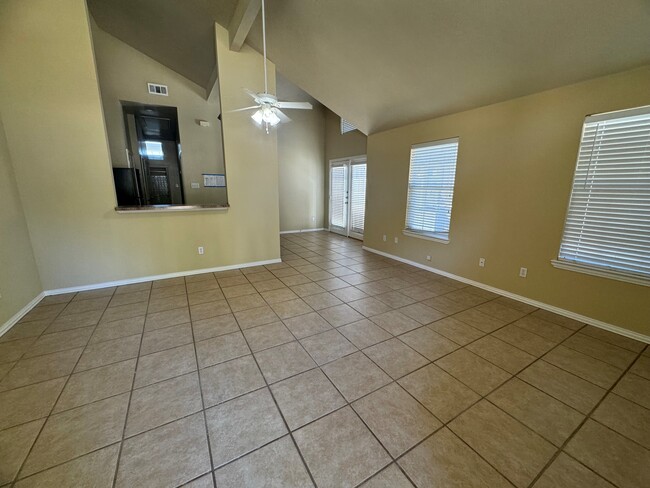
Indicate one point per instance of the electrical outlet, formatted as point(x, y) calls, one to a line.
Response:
point(384, 237)
point(523, 272)
point(201, 250)
point(481, 262)
point(396, 240)
point(428, 258)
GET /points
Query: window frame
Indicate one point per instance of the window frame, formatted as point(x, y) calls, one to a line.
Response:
point(587, 268)
point(440, 237)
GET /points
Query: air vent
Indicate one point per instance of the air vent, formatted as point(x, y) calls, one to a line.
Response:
point(156, 89)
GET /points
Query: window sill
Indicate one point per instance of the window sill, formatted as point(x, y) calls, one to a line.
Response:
point(171, 208)
point(602, 272)
point(427, 237)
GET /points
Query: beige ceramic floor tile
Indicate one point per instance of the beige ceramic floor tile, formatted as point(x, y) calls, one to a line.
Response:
point(269, 335)
point(501, 353)
point(355, 376)
point(542, 413)
point(391, 477)
point(567, 388)
point(59, 341)
point(13, 351)
point(548, 330)
point(241, 425)
point(513, 449)
point(221, 348)
point(395, 322)
point(586, 367)
point(95, 469)
point(114, 330)
point(167, 338)
point(566, 471)
point(214, 326)
point(340, 315)
point(228, 380)
point(291, 308)
point(615, 458)
point(474, 371)
point(398, 421)
point(15, 444)
point(96, 384)
point(306, 397)
point(283, 361)
point(41, 368)
point(276, 464)
point(429, 343)
point(307, 325)
point(256, 316)
point(480, 320)
point(364, 333)
point(395, 357)
point(612, 338)
point(614, 355)
point(634, 388)
point(165, 364)
point(327, 346)
point(29, 402)
point(176, 452)
point(440, 392)
point(456, 330)
point(340, 450)
point(444, 460)
point(76, 432)
point(163, 402)
point(524, 340)
point(108, 352)
point(626, 418)
point(209, 309)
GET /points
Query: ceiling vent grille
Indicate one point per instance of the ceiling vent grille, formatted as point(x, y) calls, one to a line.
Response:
point(156, 89)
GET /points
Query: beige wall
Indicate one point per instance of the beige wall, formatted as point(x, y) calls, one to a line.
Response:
point(513, 179)
point(339, 146)
point(123, 76)
point(53, 118)
point(19, 280)
point(301, 158)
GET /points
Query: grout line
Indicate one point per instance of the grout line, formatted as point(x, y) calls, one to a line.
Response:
point(319, 367)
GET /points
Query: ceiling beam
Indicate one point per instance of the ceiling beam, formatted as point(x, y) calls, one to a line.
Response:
point(242, 21)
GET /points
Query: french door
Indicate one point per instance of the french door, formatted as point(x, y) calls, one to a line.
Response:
point(348, 196)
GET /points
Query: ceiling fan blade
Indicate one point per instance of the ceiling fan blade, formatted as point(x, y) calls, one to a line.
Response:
point(244, 109)
point(251, 94)
point(294, 105)
point(282, 116)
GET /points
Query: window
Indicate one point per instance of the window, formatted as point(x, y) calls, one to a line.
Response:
point(431, 189)
point(153, 150)
point(607, 227)
point(346, 126)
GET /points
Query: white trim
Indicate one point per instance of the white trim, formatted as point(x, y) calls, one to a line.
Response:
point(60, 291)
point(602, 272)
point(4, 328)
point(300, 231)
point(551, 308)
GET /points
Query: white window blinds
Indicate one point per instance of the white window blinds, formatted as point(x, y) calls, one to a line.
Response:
point(338, 196)
point(608, 221)
point(431, 188)
point(346, 126)
point(358, 197)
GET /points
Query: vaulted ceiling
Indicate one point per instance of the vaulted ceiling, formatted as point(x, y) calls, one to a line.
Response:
point(386, 63)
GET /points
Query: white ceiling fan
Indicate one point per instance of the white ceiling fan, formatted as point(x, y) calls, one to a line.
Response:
point(268, 106)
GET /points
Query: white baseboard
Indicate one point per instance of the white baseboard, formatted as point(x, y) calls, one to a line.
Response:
point(301, 231)
point(60, 291)
point(21, 313)
point(551, 308)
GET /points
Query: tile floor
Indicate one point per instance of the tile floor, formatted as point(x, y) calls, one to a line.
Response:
point(334, 368)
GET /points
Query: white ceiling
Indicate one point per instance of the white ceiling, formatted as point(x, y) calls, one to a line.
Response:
point(385, 63)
